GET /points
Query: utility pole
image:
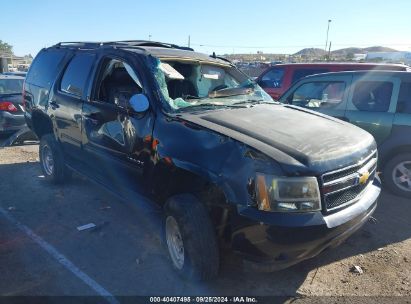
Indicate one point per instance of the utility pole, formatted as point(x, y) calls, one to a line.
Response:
point(149, 37)
point(189, 38)
point(326, 40)
point(329, 52)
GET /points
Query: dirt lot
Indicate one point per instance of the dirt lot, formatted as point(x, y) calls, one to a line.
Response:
point(125, 254)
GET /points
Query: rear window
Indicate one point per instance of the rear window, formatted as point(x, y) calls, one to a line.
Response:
point(273, 78)
point(45, 68)
point(372, 96)
point(404, 99)
point(75, 77)
point(319, 94)
point(300, 73)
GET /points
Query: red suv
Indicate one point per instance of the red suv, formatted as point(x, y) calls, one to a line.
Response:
point(277, 79)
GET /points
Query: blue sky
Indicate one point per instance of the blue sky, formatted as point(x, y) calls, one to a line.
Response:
point(221, 26)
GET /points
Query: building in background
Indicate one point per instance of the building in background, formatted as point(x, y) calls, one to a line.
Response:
point(360, 57)
point(394, 57)
point(12, 63)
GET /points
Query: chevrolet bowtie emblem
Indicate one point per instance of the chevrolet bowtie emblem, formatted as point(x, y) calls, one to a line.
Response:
point(364, 176)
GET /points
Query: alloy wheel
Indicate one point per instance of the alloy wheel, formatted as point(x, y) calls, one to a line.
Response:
point(401, 175)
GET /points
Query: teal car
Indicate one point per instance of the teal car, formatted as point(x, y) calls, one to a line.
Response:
point(377, 101)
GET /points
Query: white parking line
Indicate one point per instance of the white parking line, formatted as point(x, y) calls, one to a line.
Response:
point(100, 290)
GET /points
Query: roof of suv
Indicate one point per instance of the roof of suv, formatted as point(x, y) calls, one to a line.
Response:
point(157, 49)
point(337, 64)
point(402, 74)
point(167, 53)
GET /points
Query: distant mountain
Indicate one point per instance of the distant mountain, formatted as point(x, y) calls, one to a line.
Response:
point(316, 52)
point(346, 51)
point(311, 52)
point(353, 50)
point(379, 49)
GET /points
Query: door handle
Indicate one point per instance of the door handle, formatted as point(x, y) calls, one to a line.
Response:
point(54, 105)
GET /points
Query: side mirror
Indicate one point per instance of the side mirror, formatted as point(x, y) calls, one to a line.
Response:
point(139, 103)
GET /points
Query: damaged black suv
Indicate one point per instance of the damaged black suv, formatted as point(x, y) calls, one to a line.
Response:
point(191, 133)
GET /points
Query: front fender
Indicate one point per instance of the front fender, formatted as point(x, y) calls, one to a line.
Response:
point(186, 156)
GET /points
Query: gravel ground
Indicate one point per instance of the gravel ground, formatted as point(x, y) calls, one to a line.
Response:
point(125, 254)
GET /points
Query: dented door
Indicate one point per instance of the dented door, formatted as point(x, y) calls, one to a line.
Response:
point(117, 144)
point(116, 140)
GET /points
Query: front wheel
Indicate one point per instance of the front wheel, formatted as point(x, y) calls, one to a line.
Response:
point(397, 175)
point(52, 160)
point(191, 239)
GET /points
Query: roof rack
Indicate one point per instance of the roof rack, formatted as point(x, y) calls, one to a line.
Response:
point(74, 44)
point(124, 43)
point(153, 44)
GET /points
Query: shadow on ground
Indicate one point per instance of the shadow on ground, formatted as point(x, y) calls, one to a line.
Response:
point(20, 138)
point(126, 253)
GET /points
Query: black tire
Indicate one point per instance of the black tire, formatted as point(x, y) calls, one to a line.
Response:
point(58, 173)
point(201, 254)
point(390, 170)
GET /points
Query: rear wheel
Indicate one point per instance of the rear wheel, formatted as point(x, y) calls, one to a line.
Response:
point(190, 238)
point(397, 175)
point(52, 160)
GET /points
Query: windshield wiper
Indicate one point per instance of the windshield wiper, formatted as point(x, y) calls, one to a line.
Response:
point(191, 97)
point(230, 92)
point(210, 105)
point(253, 101)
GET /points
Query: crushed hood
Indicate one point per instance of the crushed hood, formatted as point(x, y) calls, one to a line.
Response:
point(290, 135)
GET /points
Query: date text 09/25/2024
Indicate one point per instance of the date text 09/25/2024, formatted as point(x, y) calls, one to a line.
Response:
point(240, 299)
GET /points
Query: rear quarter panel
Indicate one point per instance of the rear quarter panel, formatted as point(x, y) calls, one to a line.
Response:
point(399, 140)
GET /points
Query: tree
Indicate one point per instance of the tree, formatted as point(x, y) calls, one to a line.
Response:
point(5, 47)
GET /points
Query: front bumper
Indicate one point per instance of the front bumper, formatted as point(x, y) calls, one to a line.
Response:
point(10, 123)
point(273, 241)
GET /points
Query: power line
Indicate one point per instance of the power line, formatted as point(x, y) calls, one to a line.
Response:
point(298, 46)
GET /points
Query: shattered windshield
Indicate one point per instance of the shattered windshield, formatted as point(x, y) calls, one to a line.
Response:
point(186, 85)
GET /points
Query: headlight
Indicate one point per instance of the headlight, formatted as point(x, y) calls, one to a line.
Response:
point(287, 194)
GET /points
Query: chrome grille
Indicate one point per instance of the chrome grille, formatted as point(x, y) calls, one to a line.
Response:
point(329, 177)
point(344, 187)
